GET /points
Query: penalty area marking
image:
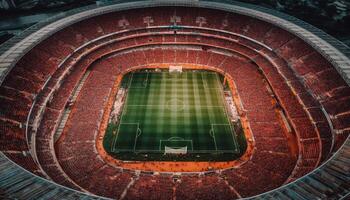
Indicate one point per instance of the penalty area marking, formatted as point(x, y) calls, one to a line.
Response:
point(144, 83)
point(212, 134)
point(236, 148)
point(137, 134)
point(206, 85)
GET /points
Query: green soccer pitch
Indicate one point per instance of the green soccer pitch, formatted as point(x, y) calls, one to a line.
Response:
point(177, 111)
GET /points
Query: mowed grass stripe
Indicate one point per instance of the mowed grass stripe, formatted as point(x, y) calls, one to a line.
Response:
point(208, 99)
point(224, 144)
point(172, 100)
point(161, 126)
point(187, 114)
point(201, 134)
point(145, 139)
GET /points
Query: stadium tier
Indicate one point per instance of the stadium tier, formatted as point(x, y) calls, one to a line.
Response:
point(174, 100)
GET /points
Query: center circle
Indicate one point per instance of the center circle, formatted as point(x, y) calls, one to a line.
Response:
point(175, 105)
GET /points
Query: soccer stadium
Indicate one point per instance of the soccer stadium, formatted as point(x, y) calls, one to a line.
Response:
point(173, 99)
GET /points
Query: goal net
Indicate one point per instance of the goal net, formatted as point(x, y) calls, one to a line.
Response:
point(175, 150)
point(175, 69)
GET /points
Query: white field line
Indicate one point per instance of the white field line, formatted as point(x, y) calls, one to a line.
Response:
point(233, 133)
point(138, 133)
point(212, 134)
point(160, 143)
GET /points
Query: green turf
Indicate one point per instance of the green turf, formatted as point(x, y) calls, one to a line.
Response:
point(161, 106)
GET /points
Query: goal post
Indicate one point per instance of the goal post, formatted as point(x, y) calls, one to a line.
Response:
point(175, 69)
point(175, 150)
point(175, 145)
